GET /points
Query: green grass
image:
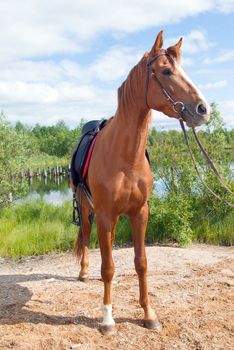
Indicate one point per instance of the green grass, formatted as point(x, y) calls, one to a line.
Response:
point(37, 228)
point(219, 232)
point(34, 228)
point(44, 161)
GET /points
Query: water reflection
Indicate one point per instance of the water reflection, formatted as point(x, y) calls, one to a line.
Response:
point(53, 190)
point(45, 185)
point(160, 188)
point(56, 189)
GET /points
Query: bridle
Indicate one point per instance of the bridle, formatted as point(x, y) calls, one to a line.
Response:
point(179, 107)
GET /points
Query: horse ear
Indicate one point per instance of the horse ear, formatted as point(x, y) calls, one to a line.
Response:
point(179, 43)
point(175, 49)
point(158, 43)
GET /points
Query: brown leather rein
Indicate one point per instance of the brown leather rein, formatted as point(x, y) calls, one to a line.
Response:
point(179, 107)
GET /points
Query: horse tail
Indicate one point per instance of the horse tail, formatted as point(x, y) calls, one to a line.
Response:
point(79, 244)
point(84, 232)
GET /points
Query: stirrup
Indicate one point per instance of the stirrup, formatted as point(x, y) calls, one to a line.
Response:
point(76, 211)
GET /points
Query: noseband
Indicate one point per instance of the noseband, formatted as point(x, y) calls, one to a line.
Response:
point(178, 106)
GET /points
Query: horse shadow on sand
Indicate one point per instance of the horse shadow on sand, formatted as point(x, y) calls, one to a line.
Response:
point(14, 298)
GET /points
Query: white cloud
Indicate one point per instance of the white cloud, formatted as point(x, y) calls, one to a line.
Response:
point(63, 103)
point(21, 92)
point(214, 85)
point(224, 56)
point(196, 41)
point(193, 42)
point(45, 91)
point(227, 111)
point(225, 6)
point(186, 61)
point(115, 63)
point(41, 27)
point(111, 65)
point(34, 71)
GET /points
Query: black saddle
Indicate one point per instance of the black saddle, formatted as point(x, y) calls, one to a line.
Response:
point(89, 131)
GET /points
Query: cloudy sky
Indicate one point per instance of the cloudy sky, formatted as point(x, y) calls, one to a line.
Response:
point(64, 59)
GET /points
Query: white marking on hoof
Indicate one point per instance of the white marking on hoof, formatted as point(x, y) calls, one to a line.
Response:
point(114, 279)
point(107, 315)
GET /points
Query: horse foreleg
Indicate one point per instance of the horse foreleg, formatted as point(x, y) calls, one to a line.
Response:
point(105, 233)
point(139, 223)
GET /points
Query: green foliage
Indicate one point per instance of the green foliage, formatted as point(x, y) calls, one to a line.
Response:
point(15, 148)
point(169, 219)
point(35, 228)
point(56, 140)
point(23, 148)
point(44, 161)
point(215, 230)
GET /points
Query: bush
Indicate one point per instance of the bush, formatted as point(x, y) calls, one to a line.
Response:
point(14, 151)
point(170, 219)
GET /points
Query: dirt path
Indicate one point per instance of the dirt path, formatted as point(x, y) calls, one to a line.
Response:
point(42, 306)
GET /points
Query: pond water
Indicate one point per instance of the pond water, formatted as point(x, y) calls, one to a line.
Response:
point(56, 190)
point(53, 190)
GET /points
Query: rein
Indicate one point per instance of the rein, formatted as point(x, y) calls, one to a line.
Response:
point(210, 163)
point(179, 107)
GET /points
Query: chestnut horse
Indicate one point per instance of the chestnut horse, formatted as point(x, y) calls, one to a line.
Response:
point(119, 176)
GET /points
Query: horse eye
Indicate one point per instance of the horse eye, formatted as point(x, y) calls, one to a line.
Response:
point(167, 72)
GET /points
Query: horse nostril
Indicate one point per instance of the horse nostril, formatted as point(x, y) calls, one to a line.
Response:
point(201, 109)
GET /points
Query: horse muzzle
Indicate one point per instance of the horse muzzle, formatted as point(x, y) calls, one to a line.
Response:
point(196, 115)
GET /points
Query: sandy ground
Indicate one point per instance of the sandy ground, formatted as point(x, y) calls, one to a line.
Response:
point(43, 306)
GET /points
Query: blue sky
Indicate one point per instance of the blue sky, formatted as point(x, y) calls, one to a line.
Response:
point(64, 59)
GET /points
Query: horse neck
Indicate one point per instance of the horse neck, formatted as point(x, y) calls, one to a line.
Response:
point(133, 115)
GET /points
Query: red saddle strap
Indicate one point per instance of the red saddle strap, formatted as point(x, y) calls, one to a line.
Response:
point(88, 157)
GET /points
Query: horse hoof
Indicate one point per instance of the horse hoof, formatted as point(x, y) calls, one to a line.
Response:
point(153, 324)
point(83, 279)
point(107, 330)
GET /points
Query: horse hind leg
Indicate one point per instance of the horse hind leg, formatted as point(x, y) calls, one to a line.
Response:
point(105, 226)
point(81, 245)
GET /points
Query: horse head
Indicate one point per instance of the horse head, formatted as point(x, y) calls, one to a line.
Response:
point(168, 87)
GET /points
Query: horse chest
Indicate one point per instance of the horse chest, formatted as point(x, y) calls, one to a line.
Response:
point(131, 192)
point(122, 190)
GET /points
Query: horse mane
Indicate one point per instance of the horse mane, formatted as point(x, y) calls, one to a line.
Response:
point(131, 93)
